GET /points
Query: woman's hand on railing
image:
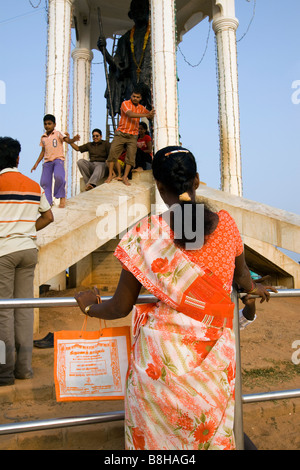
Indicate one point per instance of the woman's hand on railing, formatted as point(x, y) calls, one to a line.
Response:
point(87, 298)
point(262, 291)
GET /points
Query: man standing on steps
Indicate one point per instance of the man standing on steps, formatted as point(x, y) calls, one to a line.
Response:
point(127, 133)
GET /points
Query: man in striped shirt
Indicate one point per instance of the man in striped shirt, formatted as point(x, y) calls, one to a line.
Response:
point(127, 134)
point(24, 210)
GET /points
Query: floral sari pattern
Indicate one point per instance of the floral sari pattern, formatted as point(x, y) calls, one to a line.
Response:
point(180, 381)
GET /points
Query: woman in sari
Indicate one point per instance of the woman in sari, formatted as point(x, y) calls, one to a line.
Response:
point(181, 377)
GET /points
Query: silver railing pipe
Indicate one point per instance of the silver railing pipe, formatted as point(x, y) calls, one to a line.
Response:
point(42, 425)
point(280, 293)
point(286, 293)
point(45, 302)
point(268, 396)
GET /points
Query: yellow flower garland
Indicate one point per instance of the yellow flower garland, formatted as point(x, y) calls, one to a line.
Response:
point(146, 37)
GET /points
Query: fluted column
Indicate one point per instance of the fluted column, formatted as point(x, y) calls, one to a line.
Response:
point(225, 25)
point(164, 74)
point(164, 79)
point(82, 58)
point(58, 63)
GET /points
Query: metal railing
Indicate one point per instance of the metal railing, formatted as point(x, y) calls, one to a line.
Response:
point(71, 302)
point(56, 423)
point(13, 428)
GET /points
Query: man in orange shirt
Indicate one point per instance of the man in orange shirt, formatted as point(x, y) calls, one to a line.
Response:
point(127, 133)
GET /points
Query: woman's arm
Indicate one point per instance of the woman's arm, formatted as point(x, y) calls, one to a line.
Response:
point(149, 147)
point(242, 274)
point(243, 279)
point(249, 310)
point(119, 306)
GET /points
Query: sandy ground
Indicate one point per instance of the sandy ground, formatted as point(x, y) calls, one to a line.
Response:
point(267, 365)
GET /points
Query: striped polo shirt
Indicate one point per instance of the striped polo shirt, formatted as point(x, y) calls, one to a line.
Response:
point(21, 201)
point(129, 125)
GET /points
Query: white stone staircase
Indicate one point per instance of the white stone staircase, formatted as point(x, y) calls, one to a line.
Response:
point(92, 218)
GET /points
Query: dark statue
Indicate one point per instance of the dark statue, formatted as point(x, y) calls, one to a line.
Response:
point(131, 64)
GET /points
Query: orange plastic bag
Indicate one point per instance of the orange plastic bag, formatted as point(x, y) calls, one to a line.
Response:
point(91, 365)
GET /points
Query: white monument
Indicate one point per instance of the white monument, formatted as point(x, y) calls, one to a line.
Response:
point(83, 16)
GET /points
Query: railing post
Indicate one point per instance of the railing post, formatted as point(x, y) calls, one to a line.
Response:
point(238, 407)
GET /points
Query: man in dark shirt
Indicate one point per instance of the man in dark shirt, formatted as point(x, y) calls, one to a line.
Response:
point(95, 168)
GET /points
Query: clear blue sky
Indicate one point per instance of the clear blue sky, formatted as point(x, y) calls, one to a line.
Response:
point(269, 65)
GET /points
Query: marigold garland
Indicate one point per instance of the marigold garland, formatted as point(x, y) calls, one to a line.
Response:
point(146, 37)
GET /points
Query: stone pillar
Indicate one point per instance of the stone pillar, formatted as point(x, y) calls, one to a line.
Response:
point(225, 25)
point(164, 77)
point(82, 58)
point(58, 63)
point(164, 74)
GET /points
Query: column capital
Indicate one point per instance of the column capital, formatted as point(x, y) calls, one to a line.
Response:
point(82, 53)
point(223, 23)
point(70, 2)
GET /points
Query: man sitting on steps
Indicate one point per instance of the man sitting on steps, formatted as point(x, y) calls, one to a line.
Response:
point(95, 168)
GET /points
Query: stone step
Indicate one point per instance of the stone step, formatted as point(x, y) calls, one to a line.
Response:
point(108, 436)
point(34, 399)
point(42, 406)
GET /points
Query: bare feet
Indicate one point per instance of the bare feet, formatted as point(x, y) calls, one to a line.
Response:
point(109, 179)
point(62, 203)
point(137, 170)
point(126, 181)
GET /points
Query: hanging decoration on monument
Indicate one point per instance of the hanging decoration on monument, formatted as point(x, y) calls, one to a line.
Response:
point(131, 63)
point(138, 65)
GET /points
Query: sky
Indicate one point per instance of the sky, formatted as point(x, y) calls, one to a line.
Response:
point(269, 92)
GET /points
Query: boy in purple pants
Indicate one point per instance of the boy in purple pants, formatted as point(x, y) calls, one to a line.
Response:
point(53, 154)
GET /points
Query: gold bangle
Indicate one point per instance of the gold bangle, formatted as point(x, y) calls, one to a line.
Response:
point(253, 290)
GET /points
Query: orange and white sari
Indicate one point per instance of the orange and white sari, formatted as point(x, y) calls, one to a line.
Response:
point(180, 382)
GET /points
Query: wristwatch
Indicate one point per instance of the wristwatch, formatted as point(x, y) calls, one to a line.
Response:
point(87, 309)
